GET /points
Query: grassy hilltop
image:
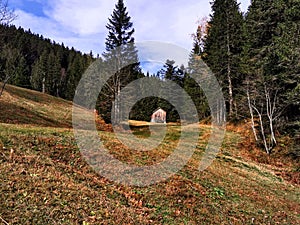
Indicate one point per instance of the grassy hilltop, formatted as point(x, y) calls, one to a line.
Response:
point(44, 179)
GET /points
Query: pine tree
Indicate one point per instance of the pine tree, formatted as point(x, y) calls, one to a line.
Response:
point(22, 76)
point(266, 78)
point(121, 58)
point(39, 73)
point(171, 72)
point(287, 46)
point(223, 46)
point(14, 69)
point(190, 85)
point(53, 78)
point(75, 70)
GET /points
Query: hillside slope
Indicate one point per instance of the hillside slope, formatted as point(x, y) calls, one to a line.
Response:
point(23, 106)
point(44, 179)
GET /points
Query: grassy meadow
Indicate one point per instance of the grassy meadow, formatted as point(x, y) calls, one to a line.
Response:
point(45, 180)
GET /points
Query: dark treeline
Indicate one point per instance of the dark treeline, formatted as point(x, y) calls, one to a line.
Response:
point(31, 61)
point(256, 58)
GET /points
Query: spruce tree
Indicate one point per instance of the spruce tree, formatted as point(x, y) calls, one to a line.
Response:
point(22, 76)
point(119, 55)
point(176, 74)
point(75, 70)
point(190, 85)
point(53, 77)
point(268, 39)
point(14, 68)
point(287, 46)
point(39, 73)
point(223, 46)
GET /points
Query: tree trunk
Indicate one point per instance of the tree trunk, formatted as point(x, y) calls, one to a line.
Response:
point(270, 112)
point(230, 89)
point(2, 89)
point(251, 113)
point(43, 85)
point(267, 148)
point(4, 84)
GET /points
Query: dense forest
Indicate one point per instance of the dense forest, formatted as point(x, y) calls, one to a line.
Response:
point(34, 62)
point(257, 62)
point(254, 55)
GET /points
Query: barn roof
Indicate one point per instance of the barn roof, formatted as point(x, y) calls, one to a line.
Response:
point(158, 109)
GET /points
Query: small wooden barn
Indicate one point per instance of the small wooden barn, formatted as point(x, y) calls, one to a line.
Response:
point(159, 116)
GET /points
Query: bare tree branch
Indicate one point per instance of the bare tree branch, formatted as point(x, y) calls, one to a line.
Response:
point(7, 15)
point(5, 222)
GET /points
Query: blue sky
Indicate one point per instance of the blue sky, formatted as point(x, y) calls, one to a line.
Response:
point(81, 24)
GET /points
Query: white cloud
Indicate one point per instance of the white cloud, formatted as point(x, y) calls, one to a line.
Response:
point(37, 24)
point(170, 22)
point(81, 17)
point(52, 29)
point(159, 52)
point(82, 23)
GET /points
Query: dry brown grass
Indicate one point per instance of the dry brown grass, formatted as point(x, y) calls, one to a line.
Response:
point(280, 161)
point(45, 180)
point(22, 106)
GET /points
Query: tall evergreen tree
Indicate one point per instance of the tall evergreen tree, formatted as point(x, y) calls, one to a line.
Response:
point(22, 76)
point(75, 70)
point(39, 72)
point(119, 55)
point(223, 46)
point(190, 85)
point(15, 66)
point(172, 72)
point(53, 77)
point(270, 35)
point(287, 47)
point(176, 74)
